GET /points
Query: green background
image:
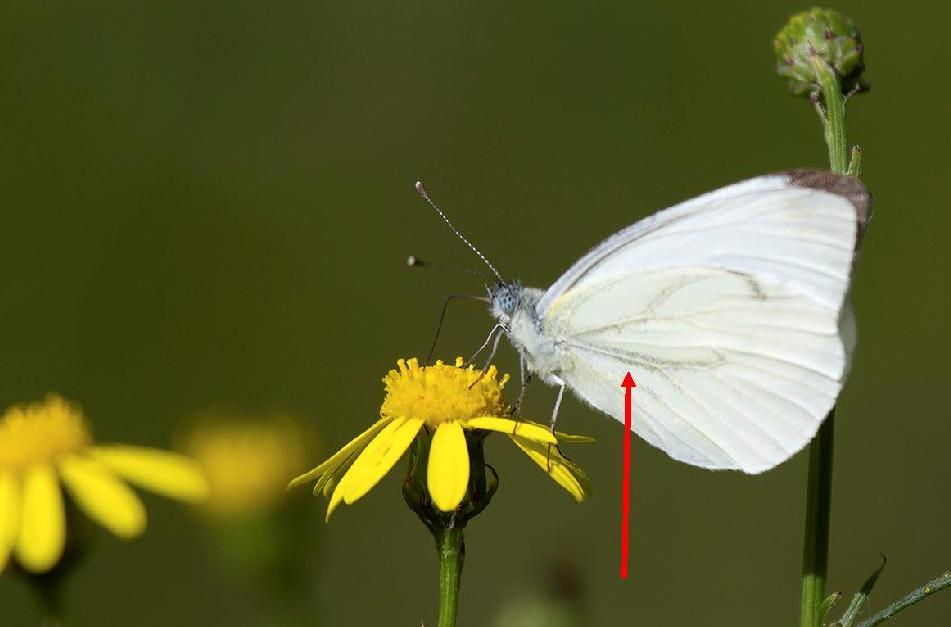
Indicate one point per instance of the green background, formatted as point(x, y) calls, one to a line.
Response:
point(207, 203)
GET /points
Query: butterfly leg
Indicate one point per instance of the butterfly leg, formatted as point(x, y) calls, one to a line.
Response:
point(526, 377)
point(554, 413)
point(561, 392)
point(495, 347)
point(488, 339)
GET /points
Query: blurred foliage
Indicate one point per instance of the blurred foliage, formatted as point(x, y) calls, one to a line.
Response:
point(560, 603)
point(259, 530)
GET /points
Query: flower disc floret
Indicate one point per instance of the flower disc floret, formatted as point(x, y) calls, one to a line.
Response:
point(40, 433)
point(441, 393)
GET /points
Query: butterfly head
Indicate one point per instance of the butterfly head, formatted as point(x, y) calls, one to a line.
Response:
point(505, 299)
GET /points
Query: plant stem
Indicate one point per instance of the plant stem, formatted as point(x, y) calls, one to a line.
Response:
point(49, 588)
point(834, 119)
point(52, 607)
point(815, 554)
point(938, 583)
point(452, 551)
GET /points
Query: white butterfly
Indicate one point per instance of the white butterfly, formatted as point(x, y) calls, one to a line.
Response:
point(725, 308)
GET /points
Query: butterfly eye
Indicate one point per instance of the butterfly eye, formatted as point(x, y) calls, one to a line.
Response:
point(505, 298)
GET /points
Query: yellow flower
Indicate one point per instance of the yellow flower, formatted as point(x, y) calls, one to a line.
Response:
point(247, 461)
point(40, 444)
point(443, 401)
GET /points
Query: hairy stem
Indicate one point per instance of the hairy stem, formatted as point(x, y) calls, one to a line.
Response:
point(938, 583)
point(834, 119)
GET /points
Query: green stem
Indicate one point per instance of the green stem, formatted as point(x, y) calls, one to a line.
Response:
point(834, 119)
point(938, 583)
point(452, 551)
point(815, 554)
point(49, 588)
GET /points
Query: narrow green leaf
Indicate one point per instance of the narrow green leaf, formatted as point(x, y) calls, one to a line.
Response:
point(855, 164)
point(861, 596)
point(830, 601)
point(940, 582)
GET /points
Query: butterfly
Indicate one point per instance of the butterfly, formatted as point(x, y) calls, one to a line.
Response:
point(727, 308)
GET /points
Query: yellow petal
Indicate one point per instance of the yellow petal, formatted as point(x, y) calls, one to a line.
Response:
point(341, 456)
point(340, 490)
point(43, 523)
point(523, 428)
point(103, 495)
point(9, 515)
point(573, 439)
point(565, 472)
point(336, 498)
point(447, 474)
point(169, 474)
point(379, 456)
point(325, 484)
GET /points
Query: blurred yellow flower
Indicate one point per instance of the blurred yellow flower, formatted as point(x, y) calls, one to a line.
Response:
point(43, 443)
point(444, 401)
point(247, 461)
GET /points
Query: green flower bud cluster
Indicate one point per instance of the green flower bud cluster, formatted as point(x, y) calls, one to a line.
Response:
point(814, 42)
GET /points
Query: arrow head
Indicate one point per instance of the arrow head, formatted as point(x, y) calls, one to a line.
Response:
point(628, 381)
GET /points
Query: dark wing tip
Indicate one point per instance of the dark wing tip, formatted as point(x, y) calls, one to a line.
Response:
point(848, 187)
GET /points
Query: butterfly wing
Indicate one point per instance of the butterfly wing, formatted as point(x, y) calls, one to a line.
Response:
point(725, 309)
point(799, 225)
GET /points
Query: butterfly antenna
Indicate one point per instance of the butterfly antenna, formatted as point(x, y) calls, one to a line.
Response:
point(415, 262)
point(422, 192)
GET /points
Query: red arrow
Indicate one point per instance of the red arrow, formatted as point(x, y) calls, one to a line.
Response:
point(628, 384)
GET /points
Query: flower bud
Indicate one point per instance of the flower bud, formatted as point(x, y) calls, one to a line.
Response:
point(814, 41)
point(482, 486)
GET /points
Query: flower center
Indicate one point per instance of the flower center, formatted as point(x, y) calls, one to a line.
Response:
point(441, 392)
point(39, 433)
